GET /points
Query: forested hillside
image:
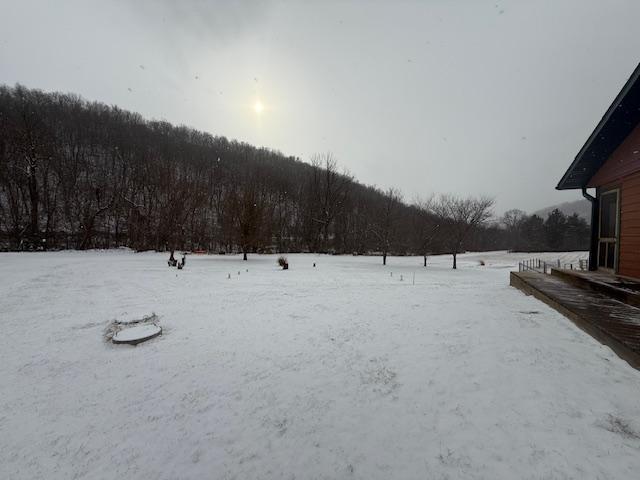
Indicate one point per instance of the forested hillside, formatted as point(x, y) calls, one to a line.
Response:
point(581, 207)
point(80, 174)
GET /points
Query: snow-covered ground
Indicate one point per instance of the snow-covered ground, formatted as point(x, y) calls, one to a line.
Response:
point(338, 371)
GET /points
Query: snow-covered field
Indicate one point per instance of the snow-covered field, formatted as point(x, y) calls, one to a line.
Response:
point(338, 371)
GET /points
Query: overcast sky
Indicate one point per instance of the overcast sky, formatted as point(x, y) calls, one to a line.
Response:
point(463, 96)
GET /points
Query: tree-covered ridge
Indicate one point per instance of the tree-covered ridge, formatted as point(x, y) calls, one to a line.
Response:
point(81, 174)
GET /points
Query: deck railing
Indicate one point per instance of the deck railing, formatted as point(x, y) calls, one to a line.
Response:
point(542, 266)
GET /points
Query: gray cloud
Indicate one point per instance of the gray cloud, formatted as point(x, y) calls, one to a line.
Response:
point(466, 97)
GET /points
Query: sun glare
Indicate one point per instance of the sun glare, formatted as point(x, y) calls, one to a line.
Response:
point(258, 107)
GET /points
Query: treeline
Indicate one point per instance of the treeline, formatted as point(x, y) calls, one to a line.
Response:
point(558, 232)
point(80, 174)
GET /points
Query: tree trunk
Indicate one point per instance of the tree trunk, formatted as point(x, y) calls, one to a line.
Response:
point(86, 237)
point(244, 255)
point(454, 261)
point(325, 235)
point(384, 258)
point(34, 198)
point(425, 260)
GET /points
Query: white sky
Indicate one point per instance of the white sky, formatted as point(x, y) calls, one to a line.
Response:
point(463, 96)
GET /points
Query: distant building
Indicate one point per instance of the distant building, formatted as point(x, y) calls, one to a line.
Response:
point(610, 162)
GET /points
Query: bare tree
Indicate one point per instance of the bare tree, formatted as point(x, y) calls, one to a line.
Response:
point(426, 227)
point(327, 194)
point(459, 217)
point(247, 207)
point(513, 221)
point(384, 229)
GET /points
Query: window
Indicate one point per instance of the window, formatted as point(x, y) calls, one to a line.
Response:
point(608, 230)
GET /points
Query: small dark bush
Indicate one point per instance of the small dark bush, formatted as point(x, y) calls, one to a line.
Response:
point(283, 262)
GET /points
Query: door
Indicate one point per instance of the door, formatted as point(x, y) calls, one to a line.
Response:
point(609, 230)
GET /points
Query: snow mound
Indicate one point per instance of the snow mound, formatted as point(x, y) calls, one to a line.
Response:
point(137, 334)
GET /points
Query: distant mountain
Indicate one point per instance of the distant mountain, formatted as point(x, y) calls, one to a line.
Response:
point(581, 207)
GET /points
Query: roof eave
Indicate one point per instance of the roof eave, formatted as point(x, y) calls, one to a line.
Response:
point(596, 132)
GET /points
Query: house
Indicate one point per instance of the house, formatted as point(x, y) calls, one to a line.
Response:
point(606, 303)
point(610, 162)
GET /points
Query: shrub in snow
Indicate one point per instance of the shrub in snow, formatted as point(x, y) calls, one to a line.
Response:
point(283, 262)
point(172, 262)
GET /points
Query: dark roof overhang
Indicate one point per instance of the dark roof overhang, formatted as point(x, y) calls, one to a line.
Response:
point(617, 123)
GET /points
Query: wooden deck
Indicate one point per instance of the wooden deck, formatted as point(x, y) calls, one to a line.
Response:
point(625, 290)
point(611, 321)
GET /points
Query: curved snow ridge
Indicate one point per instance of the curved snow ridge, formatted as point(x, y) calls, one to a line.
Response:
point(128, 318)
point(137, 334)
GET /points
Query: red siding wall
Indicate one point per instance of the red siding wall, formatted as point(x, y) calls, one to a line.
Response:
point(622, 170)
point(629, 260)
point(625, 160)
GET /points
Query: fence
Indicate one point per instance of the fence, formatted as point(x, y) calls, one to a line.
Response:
point(542, 266)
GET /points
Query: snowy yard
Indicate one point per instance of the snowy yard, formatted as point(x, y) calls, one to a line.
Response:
point(339, 371)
